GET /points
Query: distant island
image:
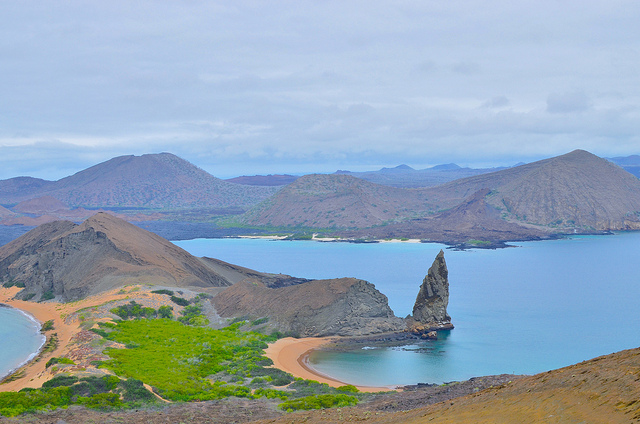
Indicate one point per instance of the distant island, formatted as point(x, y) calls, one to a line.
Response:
point(576, 193)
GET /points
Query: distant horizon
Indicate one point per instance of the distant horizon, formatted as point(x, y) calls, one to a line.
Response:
point(325, 170)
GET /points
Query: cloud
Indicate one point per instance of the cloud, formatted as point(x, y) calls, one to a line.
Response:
point(569, 102)
point(246, 85)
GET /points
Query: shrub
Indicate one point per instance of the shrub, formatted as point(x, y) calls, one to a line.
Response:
point(259, 321)
point(319, 402)
point(48, 295)
point(180, 301)
point(56, 360)
point(100, 332)
point(101, 401)
point(165, 312)
point(134, 310)
point(134, 391)
point(348, 388)
point(163, 291)
point(47, 326)
point(60, 380)
point(271, 394)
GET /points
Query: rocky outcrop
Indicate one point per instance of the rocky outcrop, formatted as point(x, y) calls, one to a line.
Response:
point(430, 309)
point(344, 307)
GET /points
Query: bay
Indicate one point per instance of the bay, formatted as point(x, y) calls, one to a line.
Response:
point(20, 339)
point(527, 309)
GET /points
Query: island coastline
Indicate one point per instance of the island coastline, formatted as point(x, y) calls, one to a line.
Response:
point(292, 355)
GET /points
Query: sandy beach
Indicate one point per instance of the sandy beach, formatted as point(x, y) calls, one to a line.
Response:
point(291, 355)
point(35, 371)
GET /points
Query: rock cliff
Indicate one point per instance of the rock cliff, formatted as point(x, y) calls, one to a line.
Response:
point(430, 309)
point(344, 306)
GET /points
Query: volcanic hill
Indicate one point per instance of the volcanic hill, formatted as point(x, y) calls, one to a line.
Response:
point(156, 181)
point(574, 193)
point(319, 200)
point(69, 261)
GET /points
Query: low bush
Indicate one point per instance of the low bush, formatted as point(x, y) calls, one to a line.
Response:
point(181, 301)
point(56, 360)
point(47, 326)
point(60, 381)
point(134, 310)
point(48, 295)
point(319, 402)
point(163, 291)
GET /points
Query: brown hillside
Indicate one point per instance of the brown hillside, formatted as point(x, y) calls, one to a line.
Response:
point(17, 189)
point(40, 205)
point(576, 190)
point(73, 261)
point(337, 201)
point(343, 306)
point(151, 181)
point(473, 219)
point(5, 213)
point(264, 180)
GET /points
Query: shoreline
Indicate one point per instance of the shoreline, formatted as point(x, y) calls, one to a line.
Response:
point(291, 355)
point(32, 356)
point(64, 329)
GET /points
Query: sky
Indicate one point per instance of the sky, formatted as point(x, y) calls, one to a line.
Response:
point(261, 87)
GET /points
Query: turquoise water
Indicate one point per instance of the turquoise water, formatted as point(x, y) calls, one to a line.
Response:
point(540, 306)
point(20, 338)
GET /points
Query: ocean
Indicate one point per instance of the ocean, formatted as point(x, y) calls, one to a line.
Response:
point(527, 309)
point(20, 339)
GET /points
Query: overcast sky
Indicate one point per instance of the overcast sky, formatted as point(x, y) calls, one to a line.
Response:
point(249, 87)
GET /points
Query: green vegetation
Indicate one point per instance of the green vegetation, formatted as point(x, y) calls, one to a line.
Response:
point(479, 242)
point(183, 361)
point(48, 295)
point(192, 315)
point(319, 402)
point(55, 360)
point(180, 301)
point(134, 310)
point(12, 283)
point(64, 390)
point(163, 291)
point(300, 236)
point(177, 359)
point(165, 312)
point(47, 326)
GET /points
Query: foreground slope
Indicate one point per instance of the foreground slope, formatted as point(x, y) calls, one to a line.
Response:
point(157, 181)
point(603, 390)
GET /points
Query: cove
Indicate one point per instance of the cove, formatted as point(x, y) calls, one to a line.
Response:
point(20, 339)
point(532, 308)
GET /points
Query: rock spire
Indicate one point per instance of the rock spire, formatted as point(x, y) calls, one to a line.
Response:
point(430, 309)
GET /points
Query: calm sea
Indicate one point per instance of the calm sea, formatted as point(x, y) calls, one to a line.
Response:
point(20, 339)
point(536, 307)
